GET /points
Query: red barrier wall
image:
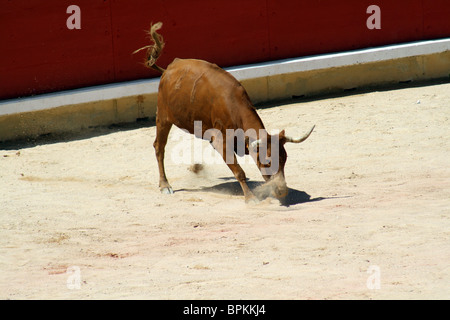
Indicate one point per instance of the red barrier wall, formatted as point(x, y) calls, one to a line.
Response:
point(40, 54)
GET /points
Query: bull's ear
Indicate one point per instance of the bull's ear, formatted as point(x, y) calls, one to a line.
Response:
point(282, 136)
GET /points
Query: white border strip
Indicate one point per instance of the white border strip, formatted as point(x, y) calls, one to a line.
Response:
point(266, 69)
point(79, 96)
point(333, 60)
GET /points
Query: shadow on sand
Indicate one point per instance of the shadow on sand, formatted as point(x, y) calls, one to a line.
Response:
point(81, 134)
point(234, 188)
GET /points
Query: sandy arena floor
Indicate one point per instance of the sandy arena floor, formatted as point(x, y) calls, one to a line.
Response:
point(369, 205)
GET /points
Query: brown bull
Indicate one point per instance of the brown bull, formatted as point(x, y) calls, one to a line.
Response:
point(198, 91)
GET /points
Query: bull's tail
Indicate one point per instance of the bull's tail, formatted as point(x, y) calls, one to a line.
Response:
point(154, 50)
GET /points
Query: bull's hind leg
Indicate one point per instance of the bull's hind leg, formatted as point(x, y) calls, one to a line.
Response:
point(162, 132)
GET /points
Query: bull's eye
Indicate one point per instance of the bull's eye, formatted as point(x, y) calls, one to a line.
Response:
point(266, 162)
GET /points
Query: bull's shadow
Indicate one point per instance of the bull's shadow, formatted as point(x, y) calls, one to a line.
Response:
point(234, 188)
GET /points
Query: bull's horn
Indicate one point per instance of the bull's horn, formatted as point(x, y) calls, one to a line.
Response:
point(300, 139)
point(255, 143)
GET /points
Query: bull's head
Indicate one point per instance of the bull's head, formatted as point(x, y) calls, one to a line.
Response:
point(271, 158)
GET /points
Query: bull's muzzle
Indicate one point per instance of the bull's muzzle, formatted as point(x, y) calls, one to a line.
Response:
point(275, 187)
point(279, 188)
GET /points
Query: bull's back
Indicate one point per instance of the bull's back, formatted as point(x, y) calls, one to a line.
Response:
point(195, 90)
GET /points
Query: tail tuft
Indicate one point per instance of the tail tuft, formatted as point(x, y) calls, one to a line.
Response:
point(154, 50)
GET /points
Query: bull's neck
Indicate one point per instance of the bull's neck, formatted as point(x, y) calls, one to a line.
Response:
point(253, 121)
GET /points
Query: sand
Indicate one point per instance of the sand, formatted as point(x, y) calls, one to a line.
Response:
point(366, 217)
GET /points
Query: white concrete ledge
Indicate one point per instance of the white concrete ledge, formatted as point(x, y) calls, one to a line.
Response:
point(341, 59)
point(79, 96)
point(267, 69)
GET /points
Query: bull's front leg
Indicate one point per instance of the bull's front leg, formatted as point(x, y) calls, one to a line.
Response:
point(239, 174)
point(232, 163)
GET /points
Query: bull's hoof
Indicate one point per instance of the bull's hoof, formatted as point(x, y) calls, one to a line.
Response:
point(251, 200)
point(167, 190)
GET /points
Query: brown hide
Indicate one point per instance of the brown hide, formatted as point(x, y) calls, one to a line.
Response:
point(195, 90)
